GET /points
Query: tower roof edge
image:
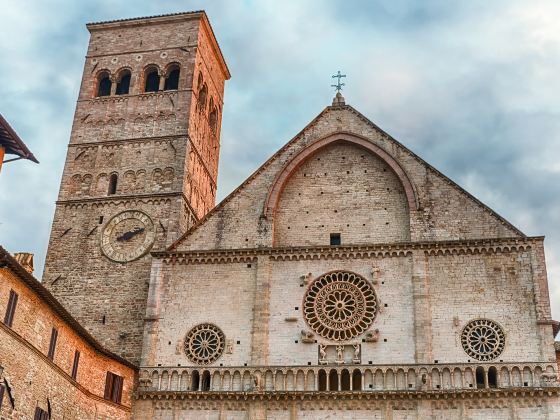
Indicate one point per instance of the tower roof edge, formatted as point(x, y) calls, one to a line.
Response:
point(166, 18)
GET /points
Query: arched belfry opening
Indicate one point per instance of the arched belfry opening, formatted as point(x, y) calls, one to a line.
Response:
point(172, 78)
point(104, 84)
point(123, 82)
point(340, 190)
point(151, 79)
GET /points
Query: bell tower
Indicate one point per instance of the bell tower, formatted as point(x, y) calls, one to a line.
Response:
point(141, 166)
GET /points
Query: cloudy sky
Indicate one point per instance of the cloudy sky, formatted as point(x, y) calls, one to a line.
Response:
point(472, 87)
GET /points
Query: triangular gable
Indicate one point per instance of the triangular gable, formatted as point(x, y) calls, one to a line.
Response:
point(249, 209)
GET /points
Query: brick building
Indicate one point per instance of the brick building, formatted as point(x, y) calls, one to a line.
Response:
point(345, 278)
point(50, 366)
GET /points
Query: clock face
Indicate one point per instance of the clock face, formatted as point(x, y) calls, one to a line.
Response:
point(128, 236)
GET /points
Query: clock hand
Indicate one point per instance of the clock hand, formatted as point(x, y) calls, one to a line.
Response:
point(130, 234)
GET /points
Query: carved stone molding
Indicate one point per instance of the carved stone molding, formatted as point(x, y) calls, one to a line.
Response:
point(436, 248)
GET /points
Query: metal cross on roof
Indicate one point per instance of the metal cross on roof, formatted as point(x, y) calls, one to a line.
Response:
point(339, 85)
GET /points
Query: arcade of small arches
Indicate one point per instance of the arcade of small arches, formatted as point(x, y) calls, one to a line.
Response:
point(153, 80)
point(351, 378)
point(160, 179)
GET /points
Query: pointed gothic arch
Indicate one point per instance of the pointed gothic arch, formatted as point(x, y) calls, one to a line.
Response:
point(284, 175)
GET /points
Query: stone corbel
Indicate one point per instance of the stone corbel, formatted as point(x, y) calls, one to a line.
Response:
point(375, 272)
point(372, 336)
point(549, 379)
point(307, 337)
point(144, 381)
point(306, 278)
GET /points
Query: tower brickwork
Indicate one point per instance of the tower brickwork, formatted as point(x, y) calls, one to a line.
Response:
point(141, 166)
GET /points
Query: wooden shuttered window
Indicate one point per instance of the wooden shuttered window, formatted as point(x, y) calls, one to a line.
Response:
point(75, 365)
point(113, 387)
point(40, 414)
point(52, 345)
point(11, 309)
point(108, 386)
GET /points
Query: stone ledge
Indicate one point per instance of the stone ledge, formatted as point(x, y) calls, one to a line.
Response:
point(459, 247)
point(353, 395)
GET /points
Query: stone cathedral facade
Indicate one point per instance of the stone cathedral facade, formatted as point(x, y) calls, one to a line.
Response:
point(345, 278)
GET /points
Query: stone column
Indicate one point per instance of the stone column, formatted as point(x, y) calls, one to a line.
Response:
point(293, 411)
point(422, 308)
point(113, 86)
point(151, 320)
point(542, 301)
point(261, 312)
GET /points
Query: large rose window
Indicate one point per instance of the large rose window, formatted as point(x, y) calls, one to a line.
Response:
point(340, 305)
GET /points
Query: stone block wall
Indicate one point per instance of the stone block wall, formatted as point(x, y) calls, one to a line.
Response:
point(162, 146)
point(440, 210)
point(108, 298)
point(416, 325)
point(479, 408)
point(342, 189)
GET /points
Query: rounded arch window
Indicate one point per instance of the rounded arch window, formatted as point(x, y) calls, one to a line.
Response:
point(202, 95)
point(172, 79)
point(200, 80)
point(213, 120)
point(123, 82)
point(340, 305)
point(213, 117)
point(151, 79)
point(103, 84)
point(483, 339)
point(204, 344)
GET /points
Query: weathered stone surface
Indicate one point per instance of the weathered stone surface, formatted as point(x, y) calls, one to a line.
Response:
point(35, 380)
point(435, 258)
point(163, 147)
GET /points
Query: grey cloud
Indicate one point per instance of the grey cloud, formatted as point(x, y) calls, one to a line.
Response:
point(469, 86)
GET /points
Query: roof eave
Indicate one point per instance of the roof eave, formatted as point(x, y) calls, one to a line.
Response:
point(7, 260)
point(21, 149)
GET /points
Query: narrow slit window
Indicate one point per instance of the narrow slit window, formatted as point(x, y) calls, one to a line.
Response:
point(202, 95)
point(52, 345)
point(75, 364)
point(11, 309)
point(335, 239)
point(113, 184)
point(213, 120)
